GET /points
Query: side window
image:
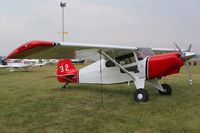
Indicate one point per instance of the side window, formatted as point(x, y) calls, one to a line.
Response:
point(125, 59)
point(132, 59)
point(122, 60)
point(109, 64)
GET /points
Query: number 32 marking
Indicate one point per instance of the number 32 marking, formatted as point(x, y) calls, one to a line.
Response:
point(64, 68)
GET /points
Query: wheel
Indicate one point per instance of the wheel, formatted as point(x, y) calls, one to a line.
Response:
point(141, 95)
point(167, 90)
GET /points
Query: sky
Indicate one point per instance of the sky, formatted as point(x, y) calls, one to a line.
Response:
point(139, 23)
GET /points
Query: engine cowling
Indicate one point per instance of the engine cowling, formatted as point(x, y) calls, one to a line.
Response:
point(165, 64)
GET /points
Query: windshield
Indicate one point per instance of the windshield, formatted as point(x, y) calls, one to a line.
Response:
point(144, 52)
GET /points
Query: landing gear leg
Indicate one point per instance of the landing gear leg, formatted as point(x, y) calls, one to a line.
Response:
point(66, 84)
point(163, 89)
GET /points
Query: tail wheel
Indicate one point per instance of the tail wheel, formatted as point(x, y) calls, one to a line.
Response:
point(167, 90)
point(141, 95)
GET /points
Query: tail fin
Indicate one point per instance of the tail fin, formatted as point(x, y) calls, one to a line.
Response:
point(67, 72)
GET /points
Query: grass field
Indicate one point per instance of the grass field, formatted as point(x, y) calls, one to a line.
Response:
point(31, 103)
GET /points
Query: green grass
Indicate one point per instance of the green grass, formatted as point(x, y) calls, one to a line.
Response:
point(31, 103)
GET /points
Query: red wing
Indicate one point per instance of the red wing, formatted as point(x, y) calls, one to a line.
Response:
point(42, 50)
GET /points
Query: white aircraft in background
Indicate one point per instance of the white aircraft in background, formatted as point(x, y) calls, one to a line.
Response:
point(113, 64)
point(23, 64)
point(77, 61)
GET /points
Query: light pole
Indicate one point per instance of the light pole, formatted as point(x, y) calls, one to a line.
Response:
point(63, 5)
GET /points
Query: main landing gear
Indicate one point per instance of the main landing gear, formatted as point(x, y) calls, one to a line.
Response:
point(142, 95)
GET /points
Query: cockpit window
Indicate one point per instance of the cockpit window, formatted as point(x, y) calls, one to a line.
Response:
point(144, 52)
point(122, 60)
point(125, 59)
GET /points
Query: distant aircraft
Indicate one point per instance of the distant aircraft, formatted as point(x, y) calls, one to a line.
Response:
point(114, 63)
point(77, 61)
point(20, 64)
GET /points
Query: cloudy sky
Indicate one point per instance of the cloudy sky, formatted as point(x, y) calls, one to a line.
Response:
point(146, 23)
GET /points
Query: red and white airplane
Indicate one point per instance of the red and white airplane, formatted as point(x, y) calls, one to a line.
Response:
point(113, 63)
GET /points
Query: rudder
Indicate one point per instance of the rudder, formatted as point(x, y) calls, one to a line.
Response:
point(67, 72)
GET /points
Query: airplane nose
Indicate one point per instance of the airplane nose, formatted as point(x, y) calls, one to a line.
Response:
point(165, 64)
point(188, 56)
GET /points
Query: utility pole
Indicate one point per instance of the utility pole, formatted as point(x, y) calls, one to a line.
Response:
point(63, 5)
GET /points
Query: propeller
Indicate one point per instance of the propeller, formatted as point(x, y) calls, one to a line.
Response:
point(190, 47)
point(183, 56)
point(180, 50)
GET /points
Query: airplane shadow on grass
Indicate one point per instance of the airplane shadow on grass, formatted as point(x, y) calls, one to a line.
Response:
point(111, 90)
point(106, 89)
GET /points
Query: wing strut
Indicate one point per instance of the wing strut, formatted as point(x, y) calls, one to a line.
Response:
point(101, 77)
point(118, 65)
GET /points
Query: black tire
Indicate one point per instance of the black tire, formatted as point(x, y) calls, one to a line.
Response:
point(141, 95)
point(167, 90)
